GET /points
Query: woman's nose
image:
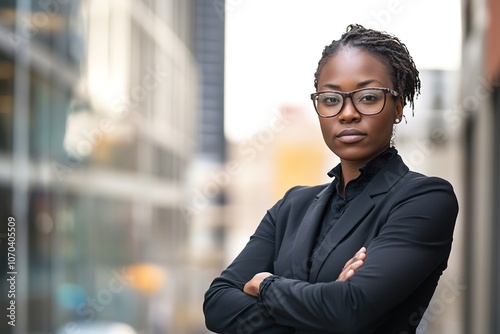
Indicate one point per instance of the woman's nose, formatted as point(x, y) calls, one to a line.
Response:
point(348, 113)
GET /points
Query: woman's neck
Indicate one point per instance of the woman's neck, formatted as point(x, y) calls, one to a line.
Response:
point(350, 171)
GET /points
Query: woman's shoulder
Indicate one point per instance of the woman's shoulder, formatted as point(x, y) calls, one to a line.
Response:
point(306, 191)
point(414, 184)
point(409, 178)
point(299, 198)
point(413, 178)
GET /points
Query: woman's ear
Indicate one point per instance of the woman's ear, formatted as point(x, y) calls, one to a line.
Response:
point(400, 103)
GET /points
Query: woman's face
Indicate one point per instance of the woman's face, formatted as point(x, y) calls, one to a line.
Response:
point(347, 70)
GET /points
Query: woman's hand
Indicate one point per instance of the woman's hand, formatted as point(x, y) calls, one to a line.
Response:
point(252, 286)
point(352, 265)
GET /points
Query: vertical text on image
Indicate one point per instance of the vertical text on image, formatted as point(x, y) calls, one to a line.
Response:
point(11, 271)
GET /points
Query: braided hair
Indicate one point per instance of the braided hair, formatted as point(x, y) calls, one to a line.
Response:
point(388, 48)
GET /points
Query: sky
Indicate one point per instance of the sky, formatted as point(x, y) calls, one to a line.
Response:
point(273, 48)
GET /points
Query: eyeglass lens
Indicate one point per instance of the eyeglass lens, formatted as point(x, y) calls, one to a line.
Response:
point(370, 101)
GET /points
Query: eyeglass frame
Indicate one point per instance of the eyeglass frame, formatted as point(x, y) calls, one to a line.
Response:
point(346, 95)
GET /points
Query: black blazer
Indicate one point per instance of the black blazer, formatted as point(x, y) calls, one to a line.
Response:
point(404, 219)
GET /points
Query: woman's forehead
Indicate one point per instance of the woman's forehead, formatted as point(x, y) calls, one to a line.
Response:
point(354, 66)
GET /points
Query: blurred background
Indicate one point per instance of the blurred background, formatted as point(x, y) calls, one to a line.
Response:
point(141, 142)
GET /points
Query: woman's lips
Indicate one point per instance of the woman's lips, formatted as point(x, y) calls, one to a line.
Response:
point(350, 136)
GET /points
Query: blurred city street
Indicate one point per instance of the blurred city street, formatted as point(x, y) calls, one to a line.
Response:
point(142, 141)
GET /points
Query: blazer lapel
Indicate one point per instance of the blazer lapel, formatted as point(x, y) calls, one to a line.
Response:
point(387, 177)
point(306, 234)
point(357, 210)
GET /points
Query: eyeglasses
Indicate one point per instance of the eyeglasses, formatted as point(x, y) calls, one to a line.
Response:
point(367, 101)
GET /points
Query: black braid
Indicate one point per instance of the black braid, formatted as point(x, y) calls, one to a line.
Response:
point(389, 49)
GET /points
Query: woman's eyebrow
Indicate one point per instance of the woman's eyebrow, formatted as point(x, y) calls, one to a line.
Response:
point(367, 82)
point(331, 86)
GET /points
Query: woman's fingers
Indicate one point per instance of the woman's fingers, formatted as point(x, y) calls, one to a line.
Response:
point(252, 287)
point(353, 264)
point(349, 271)
point(360, 255)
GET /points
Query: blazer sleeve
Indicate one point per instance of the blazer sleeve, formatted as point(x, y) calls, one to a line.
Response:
point(412, 245)
point(226, 307)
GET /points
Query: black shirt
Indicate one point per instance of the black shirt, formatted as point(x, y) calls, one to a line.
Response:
point(337, 203)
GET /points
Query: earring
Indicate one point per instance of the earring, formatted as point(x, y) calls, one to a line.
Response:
point(397, 120)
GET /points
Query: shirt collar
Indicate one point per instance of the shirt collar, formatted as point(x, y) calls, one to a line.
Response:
point(367, 172)
point(371, 168)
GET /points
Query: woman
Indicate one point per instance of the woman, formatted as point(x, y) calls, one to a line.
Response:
point(364, 253)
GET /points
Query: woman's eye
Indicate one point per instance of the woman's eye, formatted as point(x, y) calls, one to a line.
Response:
point(330, 99)
point(369, 98)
